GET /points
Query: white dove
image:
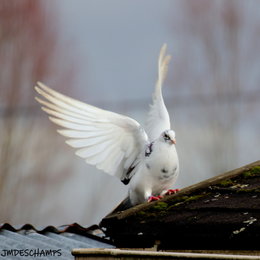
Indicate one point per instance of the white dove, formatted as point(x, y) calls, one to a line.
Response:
point(118, 144)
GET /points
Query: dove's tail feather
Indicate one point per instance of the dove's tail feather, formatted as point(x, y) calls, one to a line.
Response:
point(162, 70)
point(158, 118)
point(125, 204)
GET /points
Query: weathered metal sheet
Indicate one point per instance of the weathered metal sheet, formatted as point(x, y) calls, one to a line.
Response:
point(28, 242)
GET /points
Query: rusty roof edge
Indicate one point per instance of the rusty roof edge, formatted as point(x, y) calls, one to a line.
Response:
point(142, 254)
point(185, 191)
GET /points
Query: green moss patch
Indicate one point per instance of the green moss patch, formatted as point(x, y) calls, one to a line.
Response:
point(161, 208)
point(254, 172)
point(160, 205)
point(226, 183)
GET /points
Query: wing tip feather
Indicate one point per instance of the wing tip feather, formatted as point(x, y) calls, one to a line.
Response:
point(61, 132)
point(80, 155)
point(40, 84)
point(53, 119)
point(70, 143)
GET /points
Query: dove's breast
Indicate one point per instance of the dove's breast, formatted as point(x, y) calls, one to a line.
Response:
point(163, 167)
point(155, 174)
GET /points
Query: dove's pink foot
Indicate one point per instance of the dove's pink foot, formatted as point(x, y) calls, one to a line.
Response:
point(169, 192)
point(154, 198)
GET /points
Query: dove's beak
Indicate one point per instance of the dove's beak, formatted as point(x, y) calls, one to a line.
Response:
point(174, 141)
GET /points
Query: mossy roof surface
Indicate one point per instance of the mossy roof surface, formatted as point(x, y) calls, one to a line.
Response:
point(226, 208)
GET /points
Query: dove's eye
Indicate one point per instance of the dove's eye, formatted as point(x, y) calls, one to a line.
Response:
point(166, 137)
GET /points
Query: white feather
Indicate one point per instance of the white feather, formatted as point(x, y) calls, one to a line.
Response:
point(59, 109)
point(101, 137)
point(158, 119)
point(82, 134)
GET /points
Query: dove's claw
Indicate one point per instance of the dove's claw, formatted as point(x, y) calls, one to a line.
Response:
point(154, 198)
point(169, 192)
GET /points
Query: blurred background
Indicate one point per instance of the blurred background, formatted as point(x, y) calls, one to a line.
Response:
point(105, 53)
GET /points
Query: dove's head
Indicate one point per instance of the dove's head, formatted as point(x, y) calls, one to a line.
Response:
point(168, 136)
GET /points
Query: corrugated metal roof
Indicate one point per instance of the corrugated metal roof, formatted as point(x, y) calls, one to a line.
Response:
point(28, 242)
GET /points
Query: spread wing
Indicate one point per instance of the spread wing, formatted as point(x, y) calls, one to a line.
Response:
point(158, 118)
point(110, 141)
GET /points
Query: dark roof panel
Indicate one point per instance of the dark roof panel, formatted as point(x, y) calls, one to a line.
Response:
point(222, 212)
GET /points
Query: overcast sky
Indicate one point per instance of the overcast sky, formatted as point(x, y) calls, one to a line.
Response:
point(117, 43)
